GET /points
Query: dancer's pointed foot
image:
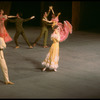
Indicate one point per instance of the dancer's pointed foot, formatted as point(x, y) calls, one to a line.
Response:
point(30, 47)
point(17, 47)
point(44, 69)
point(11, 83)
point(45, 47)
point(55, 70)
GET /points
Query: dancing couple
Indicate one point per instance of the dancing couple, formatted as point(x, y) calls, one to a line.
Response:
point(19, 28)
point(60, 33)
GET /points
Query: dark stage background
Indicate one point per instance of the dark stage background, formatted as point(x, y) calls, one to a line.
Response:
point(81, 14)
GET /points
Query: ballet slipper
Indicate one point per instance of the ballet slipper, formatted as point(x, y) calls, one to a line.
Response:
point(17, 47)
point(9, 83)
point(30, 47)
point(44, 69)
point(55, 70)
point(45, 46)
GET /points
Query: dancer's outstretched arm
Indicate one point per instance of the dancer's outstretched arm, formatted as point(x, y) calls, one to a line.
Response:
point(11, 16)
point(24, 20)
point(47, 21)
point(32, 17)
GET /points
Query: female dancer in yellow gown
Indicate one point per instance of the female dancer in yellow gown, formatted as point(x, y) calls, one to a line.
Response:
point(52, 58)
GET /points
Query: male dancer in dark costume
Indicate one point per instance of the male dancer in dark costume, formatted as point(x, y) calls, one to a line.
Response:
point(19, 29)
point(44, 30)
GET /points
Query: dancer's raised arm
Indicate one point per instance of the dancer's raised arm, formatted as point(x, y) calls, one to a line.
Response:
point(52, 9)
point(59, 14)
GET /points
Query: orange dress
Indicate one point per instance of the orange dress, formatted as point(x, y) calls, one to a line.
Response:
point(3, 32)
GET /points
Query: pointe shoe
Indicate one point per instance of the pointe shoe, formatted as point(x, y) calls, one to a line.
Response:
point(30, 47)
point(45, 47)
point(17, 47)
point(34, 44)
point(44, 69)
point(9, 83)
point(55, 70)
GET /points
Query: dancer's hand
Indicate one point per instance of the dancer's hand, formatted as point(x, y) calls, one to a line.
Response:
point(32, 17)
point(50, 7)
point(59, 13)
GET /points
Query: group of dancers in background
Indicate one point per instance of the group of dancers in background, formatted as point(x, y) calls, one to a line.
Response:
point(60, 33)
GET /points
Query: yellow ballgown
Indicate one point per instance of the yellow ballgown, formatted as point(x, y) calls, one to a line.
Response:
point(52, 58)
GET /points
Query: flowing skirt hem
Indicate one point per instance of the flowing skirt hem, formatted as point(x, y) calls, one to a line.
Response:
point(54, 66)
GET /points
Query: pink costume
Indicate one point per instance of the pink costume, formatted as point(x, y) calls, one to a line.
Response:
point(65, 28)
point(3, 32)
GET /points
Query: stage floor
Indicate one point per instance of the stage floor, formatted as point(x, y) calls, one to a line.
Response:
point(78, 75)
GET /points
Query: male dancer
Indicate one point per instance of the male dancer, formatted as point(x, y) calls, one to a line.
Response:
point(19, 29)
point(44, 30)
point(3, 62)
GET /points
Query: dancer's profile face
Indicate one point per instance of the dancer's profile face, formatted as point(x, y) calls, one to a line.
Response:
point(17, 15)
point(45, 15)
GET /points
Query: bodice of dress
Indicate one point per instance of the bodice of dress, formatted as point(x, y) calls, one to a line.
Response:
point(55, 19)
point(3, 17)
point(3, 32)
point(55, 37)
